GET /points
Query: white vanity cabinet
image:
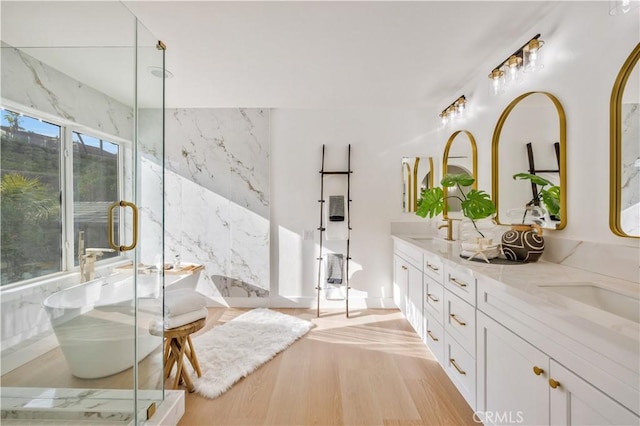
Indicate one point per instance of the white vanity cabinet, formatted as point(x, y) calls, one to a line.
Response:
point(434, 305)
point(523, 369)
point(434, 336)
point(414, 301)
point(408, 288)
point(438, 300)
point(460, 329)
point(519, 383)
point(400, 283)
point(576, 402)
point(512, 377)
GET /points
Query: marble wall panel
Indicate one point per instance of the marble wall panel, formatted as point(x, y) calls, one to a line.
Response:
point(217, 197)
point(35, 85)
point(225, 150)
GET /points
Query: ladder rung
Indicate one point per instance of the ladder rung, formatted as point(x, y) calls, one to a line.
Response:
point(318, 258)
point(348, 258)
point(335, 173)
point(321, 201)
point(321, 229)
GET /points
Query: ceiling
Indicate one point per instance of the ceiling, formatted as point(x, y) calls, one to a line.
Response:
point(308, 54)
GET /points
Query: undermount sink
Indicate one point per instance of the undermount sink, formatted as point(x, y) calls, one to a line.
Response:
point(622, 305)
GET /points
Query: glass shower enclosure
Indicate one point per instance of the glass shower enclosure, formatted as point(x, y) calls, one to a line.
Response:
point(82, 214)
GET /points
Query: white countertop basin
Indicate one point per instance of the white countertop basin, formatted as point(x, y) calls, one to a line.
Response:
point(594, 295)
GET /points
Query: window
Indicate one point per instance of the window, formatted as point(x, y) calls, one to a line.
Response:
point(95, 188)
point(36, 213)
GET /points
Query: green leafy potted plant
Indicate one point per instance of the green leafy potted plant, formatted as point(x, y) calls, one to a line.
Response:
point(549, 197)
point(524, 242)
point(475, 204)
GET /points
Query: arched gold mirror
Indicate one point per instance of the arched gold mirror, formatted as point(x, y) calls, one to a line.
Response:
point(530, 139)
point(417, 175)
point(460, 156)
point(624, 213)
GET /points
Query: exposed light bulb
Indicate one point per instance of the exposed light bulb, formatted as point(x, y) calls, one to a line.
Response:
point(512, 66)
point(532, 59)
point(495, 81)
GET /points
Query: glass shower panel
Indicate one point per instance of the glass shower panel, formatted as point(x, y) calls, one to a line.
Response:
point(150, 198)
point(75, 315)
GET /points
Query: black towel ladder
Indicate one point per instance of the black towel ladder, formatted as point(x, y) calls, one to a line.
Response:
point(322, 228)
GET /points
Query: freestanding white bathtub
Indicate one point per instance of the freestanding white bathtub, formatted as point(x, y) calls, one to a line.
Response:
point(94, 323)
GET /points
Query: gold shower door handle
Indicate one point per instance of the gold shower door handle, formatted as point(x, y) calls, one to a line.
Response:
point(134, 241)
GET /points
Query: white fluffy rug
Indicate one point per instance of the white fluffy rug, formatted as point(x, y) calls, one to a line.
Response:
point(234, 349)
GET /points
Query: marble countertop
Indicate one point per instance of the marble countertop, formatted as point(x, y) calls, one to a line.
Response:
point(540, 286)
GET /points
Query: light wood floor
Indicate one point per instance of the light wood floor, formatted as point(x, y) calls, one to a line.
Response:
point(370, 369)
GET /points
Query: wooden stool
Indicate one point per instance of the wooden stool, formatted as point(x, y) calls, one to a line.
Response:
point(177, 345)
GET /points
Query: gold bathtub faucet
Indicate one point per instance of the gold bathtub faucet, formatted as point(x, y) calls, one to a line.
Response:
point(87, 259)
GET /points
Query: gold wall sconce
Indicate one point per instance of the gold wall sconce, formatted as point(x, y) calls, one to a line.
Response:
point(454, 110)
point(526, 59)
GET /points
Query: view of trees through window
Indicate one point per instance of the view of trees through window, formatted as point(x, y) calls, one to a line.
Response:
point(31, 195)
point(95, 188)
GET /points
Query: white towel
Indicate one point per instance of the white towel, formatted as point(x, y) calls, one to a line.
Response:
point(334, 291)
point(182, 301)
point(156, 326)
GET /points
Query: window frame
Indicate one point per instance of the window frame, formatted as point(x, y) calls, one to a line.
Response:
point(67, 127)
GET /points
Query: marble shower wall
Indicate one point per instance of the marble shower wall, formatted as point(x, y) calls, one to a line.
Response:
point(33, 84)
point(216, 196)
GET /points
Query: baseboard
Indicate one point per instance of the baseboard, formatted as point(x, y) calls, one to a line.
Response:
point(301, 303)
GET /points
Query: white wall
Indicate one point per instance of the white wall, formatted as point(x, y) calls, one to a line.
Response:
point(585, 48)
point(378, 138)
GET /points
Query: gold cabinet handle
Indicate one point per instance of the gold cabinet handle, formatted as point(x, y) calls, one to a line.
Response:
point(430, 296)
point(433, 268)
point(404, 267)
point(453, 362)
point(458, 283)
point(537, 370)
point(553, 383)
point(435, 339)
point(455, 318)
point(110, 232)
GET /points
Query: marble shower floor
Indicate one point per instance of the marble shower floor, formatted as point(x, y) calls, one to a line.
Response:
point(45, 392)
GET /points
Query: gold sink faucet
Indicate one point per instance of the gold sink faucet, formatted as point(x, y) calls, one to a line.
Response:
point(449, 226)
